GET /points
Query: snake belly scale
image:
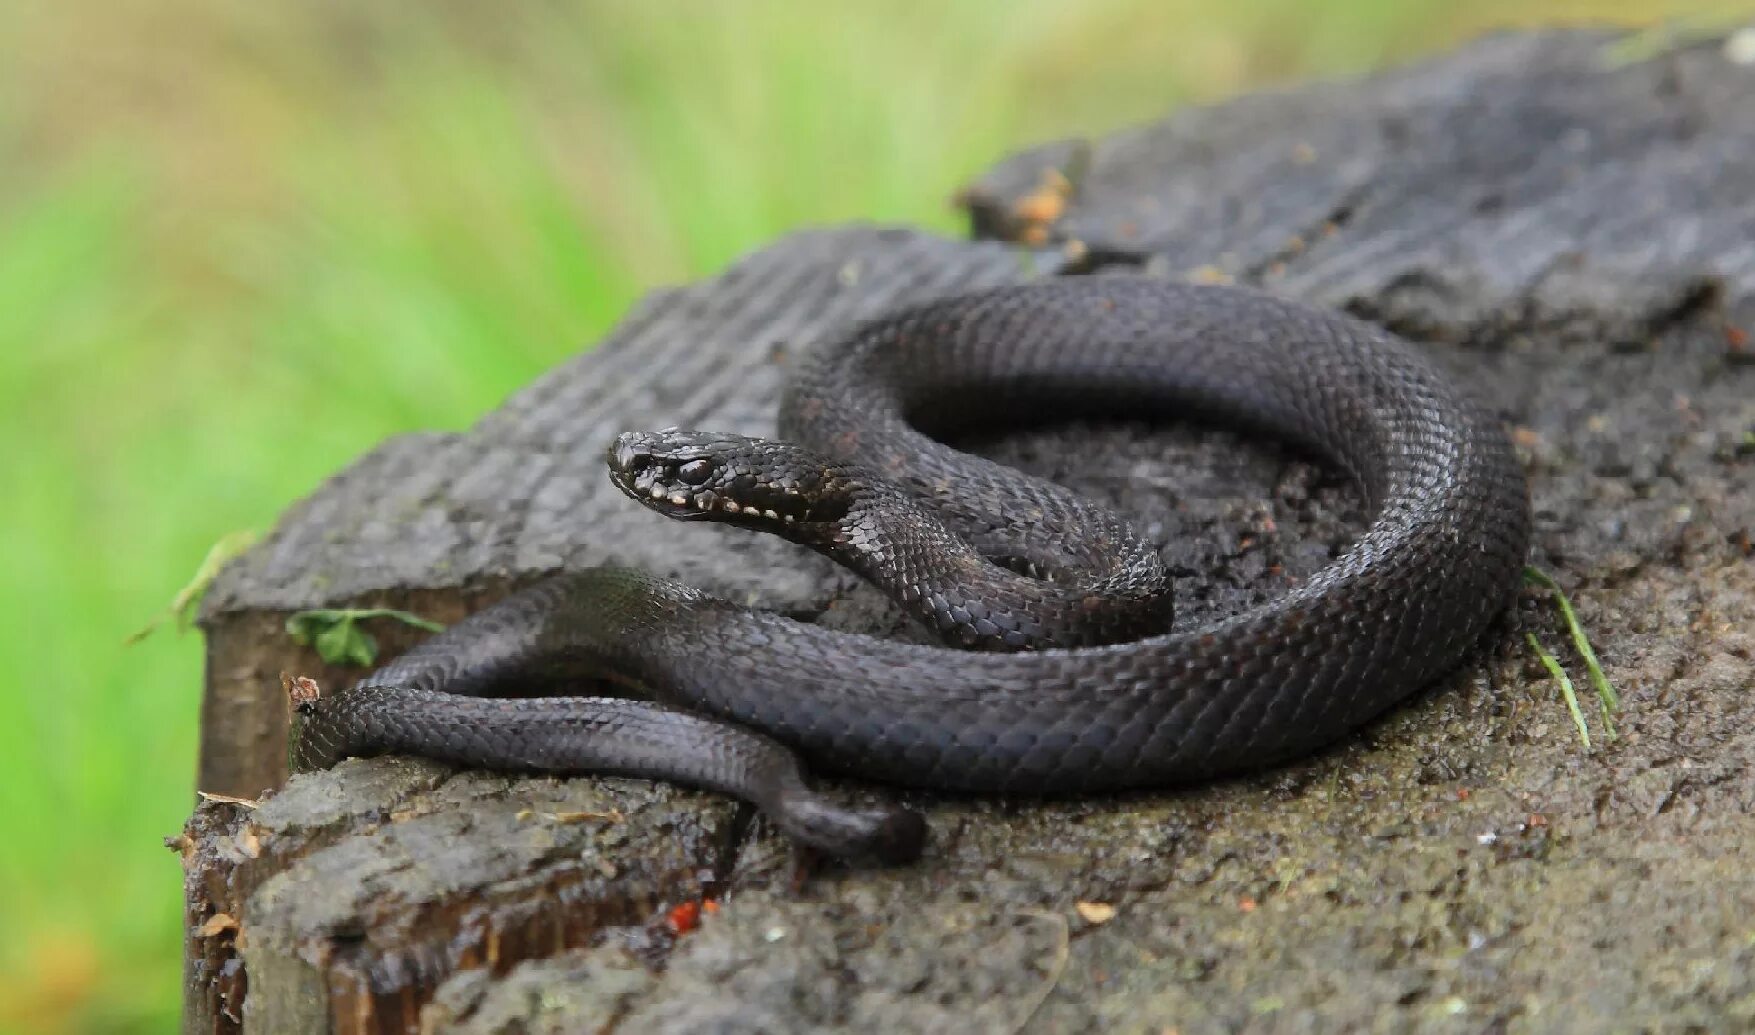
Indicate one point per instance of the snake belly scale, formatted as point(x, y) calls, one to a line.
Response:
point(1077, 681)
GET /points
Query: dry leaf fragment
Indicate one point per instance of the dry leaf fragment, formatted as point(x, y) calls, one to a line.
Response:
point(183, 845)
point(684, 918)
point(1042, 206)
point(1095, 912)
point(300, 690)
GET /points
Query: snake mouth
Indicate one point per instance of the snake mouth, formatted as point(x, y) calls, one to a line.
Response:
point(662, 495)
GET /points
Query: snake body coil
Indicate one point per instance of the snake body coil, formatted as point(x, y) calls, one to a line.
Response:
point(993, 560)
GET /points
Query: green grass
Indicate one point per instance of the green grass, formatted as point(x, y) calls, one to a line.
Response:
point(1608, 701)
point(241, 243)
point(336, 635)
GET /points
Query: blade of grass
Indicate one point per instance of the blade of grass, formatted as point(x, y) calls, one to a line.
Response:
point(1671, 34)
point(1552, 664)
point(1607, 699)
point(182, 606)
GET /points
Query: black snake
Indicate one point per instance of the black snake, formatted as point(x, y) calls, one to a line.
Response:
point(1078, 683)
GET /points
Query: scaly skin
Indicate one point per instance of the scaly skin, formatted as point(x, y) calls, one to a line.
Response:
point(1441, 559)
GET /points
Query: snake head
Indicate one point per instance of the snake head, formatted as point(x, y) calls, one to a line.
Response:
point(698, 475)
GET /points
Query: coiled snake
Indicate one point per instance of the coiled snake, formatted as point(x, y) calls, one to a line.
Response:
point(1076, 681)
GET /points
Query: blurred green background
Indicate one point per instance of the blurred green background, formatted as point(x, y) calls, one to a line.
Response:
point(242, 242)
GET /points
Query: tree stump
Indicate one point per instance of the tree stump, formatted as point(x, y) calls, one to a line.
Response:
point(1573, 230)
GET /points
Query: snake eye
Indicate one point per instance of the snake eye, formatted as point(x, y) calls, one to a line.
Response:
point(695, 472)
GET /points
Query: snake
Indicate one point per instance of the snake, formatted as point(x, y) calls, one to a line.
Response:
point(1059, 667)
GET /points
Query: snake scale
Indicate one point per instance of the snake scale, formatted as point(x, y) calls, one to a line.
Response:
point(1062, 672)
